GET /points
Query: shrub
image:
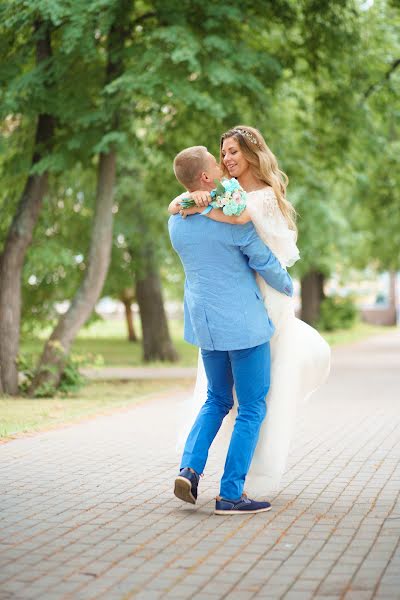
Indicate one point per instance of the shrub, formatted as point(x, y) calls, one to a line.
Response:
point(337, 313)
point(71, 380)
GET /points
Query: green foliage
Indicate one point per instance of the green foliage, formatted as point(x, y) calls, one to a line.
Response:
point(337, 313)
point(177, 68)
point(57, 257)
point(311, 76)
point(374, 211)
point(71, 381)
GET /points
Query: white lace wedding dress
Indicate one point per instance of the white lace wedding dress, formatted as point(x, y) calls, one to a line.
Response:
point(300, 358)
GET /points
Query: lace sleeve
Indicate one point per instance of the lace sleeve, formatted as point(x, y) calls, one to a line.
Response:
point(272, 227)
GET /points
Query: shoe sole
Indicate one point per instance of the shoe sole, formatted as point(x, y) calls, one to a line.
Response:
point(183, 490)
point(241, 512)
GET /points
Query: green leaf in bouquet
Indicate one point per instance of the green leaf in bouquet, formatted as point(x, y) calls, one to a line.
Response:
point(187, 203)
point(220, 188)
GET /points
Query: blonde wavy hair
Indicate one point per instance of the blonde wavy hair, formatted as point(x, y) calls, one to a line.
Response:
point(263, 165)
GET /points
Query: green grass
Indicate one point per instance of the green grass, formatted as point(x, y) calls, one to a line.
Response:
point(23, 415)
point(357, 333)
point(107, 339)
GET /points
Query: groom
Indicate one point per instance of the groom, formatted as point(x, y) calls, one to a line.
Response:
point(225, 316)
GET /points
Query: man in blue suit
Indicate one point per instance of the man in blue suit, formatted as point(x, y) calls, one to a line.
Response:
point(225, 316)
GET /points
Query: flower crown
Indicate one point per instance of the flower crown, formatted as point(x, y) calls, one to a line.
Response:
point(248, 135)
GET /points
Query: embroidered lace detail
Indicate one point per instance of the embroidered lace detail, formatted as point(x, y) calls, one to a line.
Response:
point(272, 227)
point(270, 203)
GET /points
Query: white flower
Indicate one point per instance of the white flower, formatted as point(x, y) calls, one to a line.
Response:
point(236, 196)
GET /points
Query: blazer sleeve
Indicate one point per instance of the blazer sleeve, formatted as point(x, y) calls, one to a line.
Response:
point(261, 259)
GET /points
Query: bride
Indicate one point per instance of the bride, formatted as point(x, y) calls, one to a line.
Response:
point(300, 357)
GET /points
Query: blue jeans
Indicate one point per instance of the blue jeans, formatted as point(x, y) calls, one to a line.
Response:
point(249, 370)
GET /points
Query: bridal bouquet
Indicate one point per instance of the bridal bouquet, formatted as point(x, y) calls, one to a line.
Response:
point(228, 195)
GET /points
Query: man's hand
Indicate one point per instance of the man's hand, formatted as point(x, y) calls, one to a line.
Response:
point(201, 198)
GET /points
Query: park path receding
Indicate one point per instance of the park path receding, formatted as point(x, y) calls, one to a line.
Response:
point(87, 511)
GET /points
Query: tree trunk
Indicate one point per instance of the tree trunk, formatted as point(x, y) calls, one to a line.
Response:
point(56, 351)
point(132, 337)
point(157, 344)
point(312, 294)
point(127, 297)
point(17, 242)
point(57, 348)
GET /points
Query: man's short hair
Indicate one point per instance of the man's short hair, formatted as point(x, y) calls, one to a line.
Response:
point(189, 165)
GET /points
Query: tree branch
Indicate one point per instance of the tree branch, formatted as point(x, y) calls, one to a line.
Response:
point(372, 88)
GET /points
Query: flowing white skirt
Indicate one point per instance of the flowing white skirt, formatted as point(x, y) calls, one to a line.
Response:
point(300, 363)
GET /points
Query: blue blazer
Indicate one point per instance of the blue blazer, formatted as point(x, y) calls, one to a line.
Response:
point(223, 306)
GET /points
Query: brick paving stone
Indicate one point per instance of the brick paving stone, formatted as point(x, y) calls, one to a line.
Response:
point(358, 595)
point(87, 512)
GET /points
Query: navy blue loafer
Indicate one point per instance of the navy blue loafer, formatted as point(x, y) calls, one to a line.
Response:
point(243, 506)
point(186, 486)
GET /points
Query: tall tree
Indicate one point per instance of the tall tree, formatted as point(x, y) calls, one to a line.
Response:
point(57, 348)
point(373, 210)
point(44, 50)
point(20, 232)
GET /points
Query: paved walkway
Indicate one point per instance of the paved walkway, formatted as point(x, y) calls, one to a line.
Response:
point(87, 511)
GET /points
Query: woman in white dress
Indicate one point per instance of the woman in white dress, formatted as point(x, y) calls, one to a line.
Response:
point(300, 357)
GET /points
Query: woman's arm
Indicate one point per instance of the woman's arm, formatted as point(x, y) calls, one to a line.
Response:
point(200, 197)
point(174, 206)
point(202, 200)
point(216, 214)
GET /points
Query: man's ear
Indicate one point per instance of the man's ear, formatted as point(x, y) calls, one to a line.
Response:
point(204, 178)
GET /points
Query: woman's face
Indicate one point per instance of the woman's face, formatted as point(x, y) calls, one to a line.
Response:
point(233, 158)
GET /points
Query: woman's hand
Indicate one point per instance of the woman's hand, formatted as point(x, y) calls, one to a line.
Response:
point(175, 205)
point(201, 198)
